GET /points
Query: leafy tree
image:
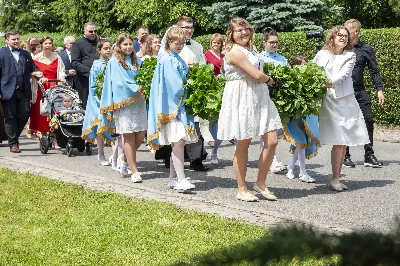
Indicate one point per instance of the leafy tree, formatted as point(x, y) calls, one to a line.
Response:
point(159, 15)
point(371, 13)
point(28, 16)
point(75, 13)
point(284, 15)
point(395, 4)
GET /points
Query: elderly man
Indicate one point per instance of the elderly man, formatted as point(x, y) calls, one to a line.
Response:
point(142, 31)
point(364, 57)
point(66, 58)
point(83, 54)
point(16, 70)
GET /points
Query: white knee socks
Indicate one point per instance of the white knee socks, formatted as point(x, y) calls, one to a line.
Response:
point(302, 161)
point(177, 159)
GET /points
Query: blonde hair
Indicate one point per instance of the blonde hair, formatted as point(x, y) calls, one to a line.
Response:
point(238, 21)
point(354, 23)
point(148, 45)
point(121, 56)
point(174, 34)
point(217, 38)
point(330, 39)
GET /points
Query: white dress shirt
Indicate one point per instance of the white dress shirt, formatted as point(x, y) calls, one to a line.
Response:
point(14, 53)
point(193, 53)
point(69, 55)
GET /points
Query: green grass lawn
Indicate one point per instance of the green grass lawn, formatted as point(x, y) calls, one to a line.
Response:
point(46, 222)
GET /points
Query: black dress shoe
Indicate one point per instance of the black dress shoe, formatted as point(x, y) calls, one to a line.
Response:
point(198, 167)
point(348, 162)
point(372, 162)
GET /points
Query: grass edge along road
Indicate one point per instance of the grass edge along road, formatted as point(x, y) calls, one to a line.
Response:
point(47, 222)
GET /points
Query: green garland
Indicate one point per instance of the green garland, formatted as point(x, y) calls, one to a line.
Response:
point(99, 84)
point(145, 76)
point(298, 91)
point(204, 92)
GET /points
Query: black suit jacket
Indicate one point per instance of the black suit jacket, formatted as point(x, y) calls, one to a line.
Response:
point(83, 54)
point(64, 56)
point(8, 71)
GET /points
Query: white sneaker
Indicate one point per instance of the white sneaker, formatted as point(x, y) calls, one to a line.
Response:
point(290, 174)
point(124, 169)
point(172, 182)
point(306, 178)
point(277, 167)
point(214, 159)
point(103, 161)
point(184, 185)
point(136, 178)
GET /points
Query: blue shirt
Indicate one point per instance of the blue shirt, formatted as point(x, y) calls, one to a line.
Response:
point(275, 58)
point(136, 46)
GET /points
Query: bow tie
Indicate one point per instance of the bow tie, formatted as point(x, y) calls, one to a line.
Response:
point(15, 49)
point(187, 42)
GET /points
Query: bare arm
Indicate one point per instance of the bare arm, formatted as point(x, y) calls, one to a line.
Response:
point(238, 58)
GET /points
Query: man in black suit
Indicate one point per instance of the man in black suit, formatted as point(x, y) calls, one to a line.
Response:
point(84, 52)
point(66, 58)
point(16, 69)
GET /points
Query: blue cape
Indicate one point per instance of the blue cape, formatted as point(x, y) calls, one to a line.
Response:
point(167, 96)
point(119, 90)
point(92, 114)
point(303, 131)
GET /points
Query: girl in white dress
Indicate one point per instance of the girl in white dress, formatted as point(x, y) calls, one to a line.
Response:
point(247, 111)
point(341, 121)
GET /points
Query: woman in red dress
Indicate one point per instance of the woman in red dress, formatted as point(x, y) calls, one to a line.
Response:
point(52, 67)
point(216, 57)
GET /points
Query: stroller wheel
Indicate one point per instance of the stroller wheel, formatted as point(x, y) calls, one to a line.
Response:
point(69, 150)
point(44, 145)
point(88, 148)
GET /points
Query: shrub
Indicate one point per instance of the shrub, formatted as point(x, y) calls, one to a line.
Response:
point(386, 43)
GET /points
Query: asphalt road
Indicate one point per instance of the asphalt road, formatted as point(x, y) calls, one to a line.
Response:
point(372, 201)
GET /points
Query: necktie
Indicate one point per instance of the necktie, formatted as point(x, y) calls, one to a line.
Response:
point(15, 49)
point(187, 42)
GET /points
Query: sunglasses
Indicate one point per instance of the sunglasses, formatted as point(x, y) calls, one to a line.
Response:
point(92, 31)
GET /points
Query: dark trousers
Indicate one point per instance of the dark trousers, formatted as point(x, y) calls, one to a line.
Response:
point(364, 101)
point(82, 86)
point(16, 114)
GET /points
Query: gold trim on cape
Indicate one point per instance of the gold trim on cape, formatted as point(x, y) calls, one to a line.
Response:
point(124, 103)
point(310, 134)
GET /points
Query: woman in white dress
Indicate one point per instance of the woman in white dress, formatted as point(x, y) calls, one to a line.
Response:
point(247, 111)
point(341, 121)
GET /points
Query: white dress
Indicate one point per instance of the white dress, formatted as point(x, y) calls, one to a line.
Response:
point(247, 111)
point(341, 121)
point(131, 118)
point(174, 131)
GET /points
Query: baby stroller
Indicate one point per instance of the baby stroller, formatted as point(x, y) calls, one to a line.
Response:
point(67, 134)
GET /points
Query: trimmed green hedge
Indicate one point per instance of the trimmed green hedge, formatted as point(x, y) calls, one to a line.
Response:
point(386, 43)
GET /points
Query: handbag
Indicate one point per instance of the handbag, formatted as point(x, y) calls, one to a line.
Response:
point(45, 108)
